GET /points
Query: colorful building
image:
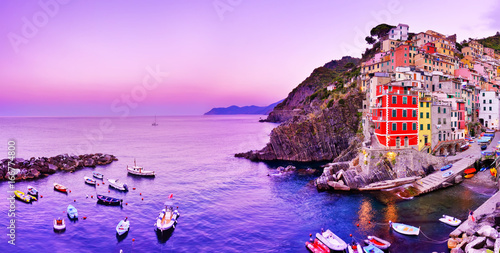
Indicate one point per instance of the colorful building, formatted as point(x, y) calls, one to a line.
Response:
point(424, 121)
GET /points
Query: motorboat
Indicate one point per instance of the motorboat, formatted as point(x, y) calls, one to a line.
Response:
point(452, 221)
point(317, 247)
point(404, 229)
point(118, 185)
point(331, 240)
point(23, 196)
point(32, 191)
point(370, 248)
point(123, 226)
point(139, 171)
point(59, 224)
point(90, 181)
point(108, 200)
point(168, 218)
point(72, 212)
point(354, 247)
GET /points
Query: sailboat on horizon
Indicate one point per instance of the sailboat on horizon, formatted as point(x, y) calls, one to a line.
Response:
point(154, 123)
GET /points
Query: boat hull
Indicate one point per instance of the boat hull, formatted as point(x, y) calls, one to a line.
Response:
point(72, 212)
point(378, 242)
point(405, 229)
point(140, 172)
point(60, 188)
point(23, 196)
point(122, 227)
point(317, 247)
point(97, 175)
point(119, 186)
point(162, 225)
point(331, 240)
point(59, 226)
point(106, 200)
point(452, 221)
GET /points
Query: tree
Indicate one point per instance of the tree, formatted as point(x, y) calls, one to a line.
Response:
point(381, 30)
point(349, 65)
point(370, 40)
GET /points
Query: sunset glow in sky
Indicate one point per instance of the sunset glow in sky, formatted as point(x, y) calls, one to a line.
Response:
point(89, 58)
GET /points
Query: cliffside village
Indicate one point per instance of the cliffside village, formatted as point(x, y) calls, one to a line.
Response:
point(423, 93)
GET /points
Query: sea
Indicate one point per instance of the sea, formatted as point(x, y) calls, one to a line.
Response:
point(226, 204)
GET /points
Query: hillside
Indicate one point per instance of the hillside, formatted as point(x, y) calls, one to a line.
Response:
point(252, 109)
point(492, 42)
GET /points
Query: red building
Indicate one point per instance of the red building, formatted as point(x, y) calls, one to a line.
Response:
point(400, 57)
point(395, 115)
point(429, 48)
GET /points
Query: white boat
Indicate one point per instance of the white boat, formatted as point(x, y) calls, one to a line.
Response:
point(452, 221)
point(378, 242)
point(118, 185)
point(90, 181)
point(404, 229)
point(355, 247)
point(72, 212)
point(59, 224)
point(123, 226)
point(139, 171)
point(97, 175)
point(167, 218)
point(331, 240)
point(32, 191)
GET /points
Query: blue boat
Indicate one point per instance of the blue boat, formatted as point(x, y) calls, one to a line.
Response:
point(482, 169)
point(446, 167)
point(372, 249)
point(72, 212)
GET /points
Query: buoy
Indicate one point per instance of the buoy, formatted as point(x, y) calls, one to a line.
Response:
point(103, 183)
point(97, 184)
point(74, 200)
point(126, 203)
point(310, 235)
point(133, 239)
point(69, 190)
point(91, 196)
point(133, 188)
point(369, 222)
point(41, 196)
point(84, 217)
point(140, 194)
point(87, 196)
point(109, 191)
point(357, 225)
point(142, 198)
point(350, 235)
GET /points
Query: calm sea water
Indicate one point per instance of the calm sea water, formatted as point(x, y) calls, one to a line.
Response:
point(227, 204)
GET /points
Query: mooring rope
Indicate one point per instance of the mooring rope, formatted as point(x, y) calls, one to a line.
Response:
point(433, 240)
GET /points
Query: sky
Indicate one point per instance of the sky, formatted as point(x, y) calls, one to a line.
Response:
point(118, 58)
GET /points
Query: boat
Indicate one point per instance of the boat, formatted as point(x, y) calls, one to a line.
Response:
point(493, 172)
point(108, 200)
point(154, 123)
point(370, 248)
point(72, 212)
point(117, 185)
point(123, 226)
point(317, 247)
point(378, 242)
point(452, 221)
point(446, 167)
point(354, 247)
point(90, 181)
point(139, 171)
point(59, 224)
point(167, 218)
point(331, 240)
point(448, 173)
point(469, 175)
point(97, 175)
point(60, 187)
point(482, 169)
point(469, 170)
point(23, 196)
point(32, 191)
point(404, 229)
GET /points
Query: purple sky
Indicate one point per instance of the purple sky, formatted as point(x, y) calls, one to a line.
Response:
point(91, 57)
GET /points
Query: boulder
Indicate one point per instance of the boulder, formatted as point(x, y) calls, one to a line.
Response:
point(457, 250)
point(89, 162)
point(477, 243)
point(290, 168)
point(452, 243)
point(496, 247)
point(488, 231)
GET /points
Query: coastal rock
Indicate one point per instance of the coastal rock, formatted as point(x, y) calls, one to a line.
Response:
point(475, 244)
point(457, 250)
point(496, 247)
point(89, 162)
point(488, 231)
point(452, 243)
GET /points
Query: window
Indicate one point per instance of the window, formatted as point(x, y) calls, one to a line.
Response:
point(428, 126)
point(421, 104)
point(444, 121)
point(490, 108)
point(427, 105)
point(439, 109)
point(404, 114)
point(404, 126)
point(414, 100)
point(484, 108)
point(421, 115)
point(439, 120)
point(394, 113)
point(394, 127)
point(421, 127)
point(483, 92)
point(444, 110)
point(394, 99)
point(414, 113)
point(484, 101)
point(405, 101)
point(490, 101)
point(427, 115)
point(414, 126)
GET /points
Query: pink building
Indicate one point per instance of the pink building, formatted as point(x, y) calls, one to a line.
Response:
point(489, 51)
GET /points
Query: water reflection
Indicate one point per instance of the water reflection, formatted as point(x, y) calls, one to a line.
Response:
point(365, 215)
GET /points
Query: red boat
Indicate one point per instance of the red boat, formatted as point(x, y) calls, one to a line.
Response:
point(469, 170)
point(317, 247)
point(60, 187)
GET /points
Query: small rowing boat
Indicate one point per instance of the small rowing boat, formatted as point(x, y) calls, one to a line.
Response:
point(493, 172)
point(32, 191)
point(123, 226)
point(404, 229)
point(317, 247)
point(72, 212)
point(469, 175)
point(452, 221)
point(97, 175)
point(469, 170)
point(60, 187)
point(108, 200)
point(446, 167)
point(448, 173)
point(378, 242)
point(90, 181)
point(354, 247)
point(370, 248)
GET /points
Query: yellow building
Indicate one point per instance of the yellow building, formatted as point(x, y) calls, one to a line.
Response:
point(443, 47)
point(424, 121)
point(468, 61)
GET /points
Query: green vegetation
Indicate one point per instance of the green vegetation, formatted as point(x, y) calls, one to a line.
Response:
point(492, 42)
point(381, 30)
point(370, 40)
